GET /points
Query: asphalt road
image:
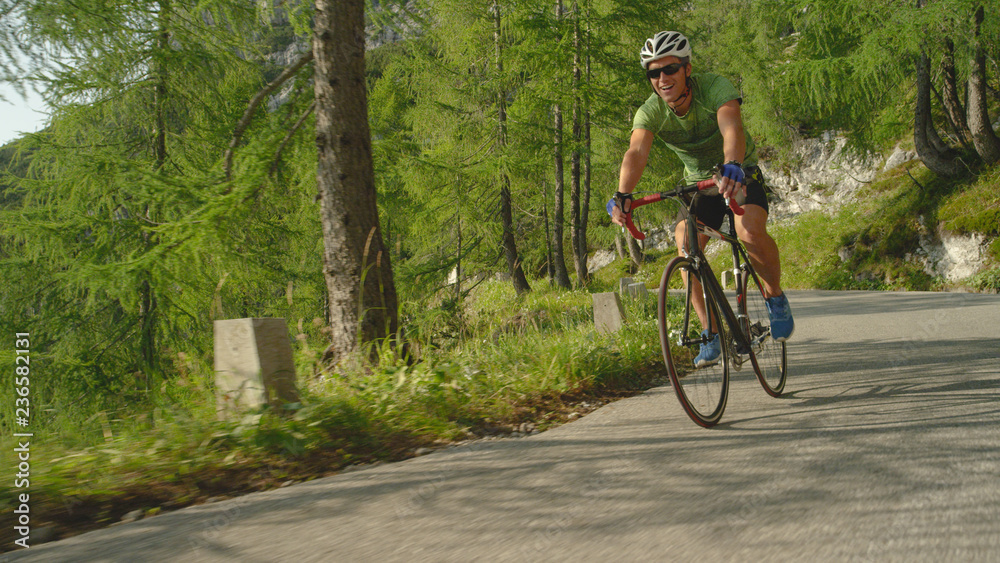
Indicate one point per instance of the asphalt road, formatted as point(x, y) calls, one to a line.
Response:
point(885, 447)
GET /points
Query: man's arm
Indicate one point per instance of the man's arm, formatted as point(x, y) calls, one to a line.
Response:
point(633, 163)
point(734, 142)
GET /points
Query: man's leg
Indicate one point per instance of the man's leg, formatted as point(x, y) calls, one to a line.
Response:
point(751, 228)
point(697, 295)
point(710, 352)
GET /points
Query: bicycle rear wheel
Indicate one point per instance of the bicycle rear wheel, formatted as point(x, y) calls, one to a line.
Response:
point(703, 391)
point(768, 357)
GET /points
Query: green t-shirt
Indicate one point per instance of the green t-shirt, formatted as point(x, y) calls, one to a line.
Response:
point(695, 138)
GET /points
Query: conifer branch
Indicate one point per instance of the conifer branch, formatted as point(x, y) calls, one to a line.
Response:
point(489, 141)
point(112, 341)
point(244, 121)
point(281, 148)
point(288, 138)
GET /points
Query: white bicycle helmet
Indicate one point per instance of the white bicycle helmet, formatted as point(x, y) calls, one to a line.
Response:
point(664, 44)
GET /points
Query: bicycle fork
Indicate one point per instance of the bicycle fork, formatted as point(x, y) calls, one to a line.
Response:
point(740, 345)
point(723, 315)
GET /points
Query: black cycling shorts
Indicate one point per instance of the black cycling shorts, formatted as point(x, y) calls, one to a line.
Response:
point(711, 209)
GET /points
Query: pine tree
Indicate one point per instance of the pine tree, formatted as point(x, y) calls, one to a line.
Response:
point(461, 87)
point(506, 217)
point(357, 264)
point(128, 232)
point(558, 209)
point(577, 231)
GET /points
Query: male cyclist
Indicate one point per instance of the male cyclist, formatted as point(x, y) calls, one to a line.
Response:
point(698, 117)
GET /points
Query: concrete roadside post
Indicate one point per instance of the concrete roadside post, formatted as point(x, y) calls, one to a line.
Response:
point(638, 291)
point(727, 278)
point(623, 284)
point(609, 315)
point(253, 365)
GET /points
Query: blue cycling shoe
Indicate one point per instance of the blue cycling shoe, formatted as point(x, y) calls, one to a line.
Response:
point(710, 353)
point(782, 323)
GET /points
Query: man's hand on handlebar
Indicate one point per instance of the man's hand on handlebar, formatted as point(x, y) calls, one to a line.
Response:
point(617, 217)
point(730, 180)
point(616, 205)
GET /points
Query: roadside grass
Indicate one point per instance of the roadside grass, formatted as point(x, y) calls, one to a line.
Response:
point(511, 365)
point(977, 210)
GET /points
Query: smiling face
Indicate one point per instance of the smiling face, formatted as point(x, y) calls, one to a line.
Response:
point(670, 87)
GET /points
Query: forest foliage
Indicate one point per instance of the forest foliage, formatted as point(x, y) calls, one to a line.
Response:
point(123, 236)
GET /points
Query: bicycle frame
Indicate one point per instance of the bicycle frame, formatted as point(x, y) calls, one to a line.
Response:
point(741, 261)
point(710, 283)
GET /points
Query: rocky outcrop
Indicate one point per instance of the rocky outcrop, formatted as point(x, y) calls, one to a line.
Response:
point(949, 256)
point(898, 158)
point(600, 259)
point(827, 177)
point(831, 177)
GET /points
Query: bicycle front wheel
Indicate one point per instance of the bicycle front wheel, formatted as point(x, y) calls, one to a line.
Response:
point(702, 391)
point(768, 357)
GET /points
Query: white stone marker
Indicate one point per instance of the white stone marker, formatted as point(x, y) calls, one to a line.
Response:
point(253, 365)
point(623, 285)
point(638, 291)
point(609, 316)
point(727, 278)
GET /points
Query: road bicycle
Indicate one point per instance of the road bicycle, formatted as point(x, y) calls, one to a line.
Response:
point(745, 334)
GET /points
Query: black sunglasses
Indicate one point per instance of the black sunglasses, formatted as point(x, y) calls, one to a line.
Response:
point(670, 69)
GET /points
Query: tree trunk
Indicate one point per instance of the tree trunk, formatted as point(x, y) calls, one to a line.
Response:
point(147, 337)
point(160, 92)
point(458, 258)
point(950, 97)
point(506, 214)
point(923, 126)
point(983, 137)
point(620, 245)
point(579, 245)
point(549, 267)
point(360, 287)
point(147, 295)
point(634, 250)
point(558, 214)
point(585, 198)
point(935, 141)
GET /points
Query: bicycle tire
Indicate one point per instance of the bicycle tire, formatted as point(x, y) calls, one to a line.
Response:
point(768, 357)
point(702, 392)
